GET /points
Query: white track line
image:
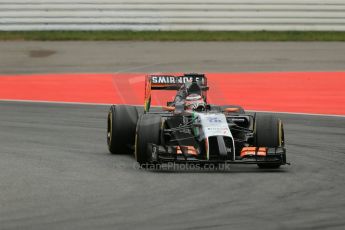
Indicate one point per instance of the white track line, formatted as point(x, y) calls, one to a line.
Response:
point(295, 113)
point(53, 102)
point(104, 104)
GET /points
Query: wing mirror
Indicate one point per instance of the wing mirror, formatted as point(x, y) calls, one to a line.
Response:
point(168, 108)
point(231, 110)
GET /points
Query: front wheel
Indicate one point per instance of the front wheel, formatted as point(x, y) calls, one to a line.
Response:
point(148, 132)
point(269, 132)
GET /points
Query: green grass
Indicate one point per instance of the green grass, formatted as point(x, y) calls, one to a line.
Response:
point(170, 36)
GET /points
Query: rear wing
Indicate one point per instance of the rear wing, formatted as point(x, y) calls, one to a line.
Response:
point(170, 82)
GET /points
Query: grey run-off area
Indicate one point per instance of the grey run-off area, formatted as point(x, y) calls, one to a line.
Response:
point(61, 57)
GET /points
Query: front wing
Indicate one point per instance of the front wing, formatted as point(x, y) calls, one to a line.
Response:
point(165, 154)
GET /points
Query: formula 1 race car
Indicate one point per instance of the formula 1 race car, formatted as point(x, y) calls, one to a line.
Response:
point(189, 130)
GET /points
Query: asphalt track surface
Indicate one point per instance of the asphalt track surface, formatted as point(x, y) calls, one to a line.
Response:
point(109, 57)
point(56, 173)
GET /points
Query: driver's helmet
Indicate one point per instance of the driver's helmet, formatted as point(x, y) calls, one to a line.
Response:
point(195, 102)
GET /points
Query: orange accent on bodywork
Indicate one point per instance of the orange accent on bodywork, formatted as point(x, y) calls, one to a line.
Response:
point(168, 108)
point(207, 150)
point(190, 150)
point(253, 151)
point(231, 110)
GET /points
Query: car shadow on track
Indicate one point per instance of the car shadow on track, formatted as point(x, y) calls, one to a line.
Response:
point(128, 161)
point(231, 169)
point(237, 171)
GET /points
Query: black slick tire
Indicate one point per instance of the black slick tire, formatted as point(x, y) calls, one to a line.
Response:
point(148, 132)
point(121, 125)
point(269, 132)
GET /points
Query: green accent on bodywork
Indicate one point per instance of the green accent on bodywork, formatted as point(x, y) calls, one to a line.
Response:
point(195, 129)
point(147, 105)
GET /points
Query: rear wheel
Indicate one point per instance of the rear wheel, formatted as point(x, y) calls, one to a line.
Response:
point(269, 132)
point(148, 132)
point(121, 124)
